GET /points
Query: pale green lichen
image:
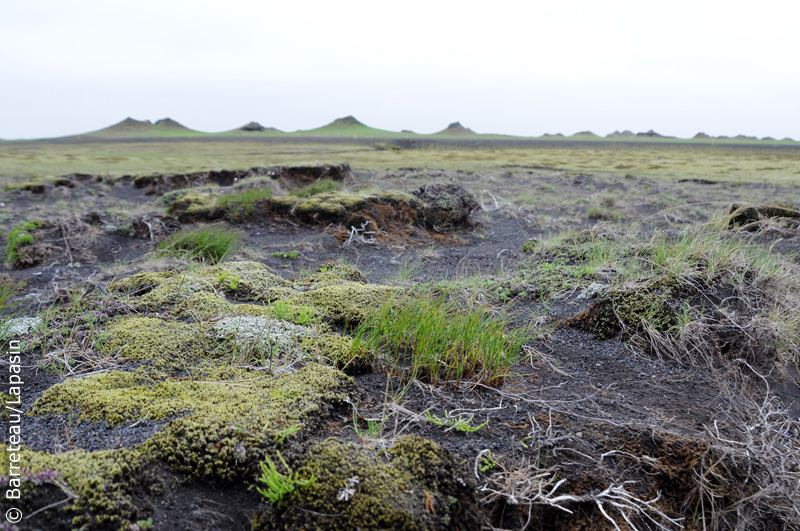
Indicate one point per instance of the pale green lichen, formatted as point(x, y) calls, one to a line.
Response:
point(279, 337)
point(419, 487)
point(20, 326)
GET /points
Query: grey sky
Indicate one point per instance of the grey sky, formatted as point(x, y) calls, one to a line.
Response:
point(522, 68)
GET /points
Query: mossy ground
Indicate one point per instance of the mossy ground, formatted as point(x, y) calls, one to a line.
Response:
point(541, 407)
point(183, 367)
point(415, 485)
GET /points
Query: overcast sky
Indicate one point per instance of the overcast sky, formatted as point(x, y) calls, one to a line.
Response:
point(521, 68)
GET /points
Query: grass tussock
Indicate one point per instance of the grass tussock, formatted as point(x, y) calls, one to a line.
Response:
point(8, 306)
point(208, 244)
point(317, 187)
point(429, 338)
point(724, 295)
point(8, 289)
point(240, 205)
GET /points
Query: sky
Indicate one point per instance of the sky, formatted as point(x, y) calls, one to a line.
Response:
point(508, 67)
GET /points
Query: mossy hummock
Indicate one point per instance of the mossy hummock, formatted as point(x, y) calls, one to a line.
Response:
point(218, 427)
point(652, 303)
point(19, 237)
point(415, 485)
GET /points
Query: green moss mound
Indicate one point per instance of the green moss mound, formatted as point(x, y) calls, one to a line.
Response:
point(652, 304)
point(219, 427)
point(339, 293)
point(416, 485)
point(196, 206)
point(239, 281)
point(166, 344)
point(348, 302)
point(339, 352)
point(139, 283)
point(100, 482)
point(319, 204)
point(20, 236)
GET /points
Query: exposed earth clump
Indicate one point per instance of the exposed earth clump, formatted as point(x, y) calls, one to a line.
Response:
point(446, 205)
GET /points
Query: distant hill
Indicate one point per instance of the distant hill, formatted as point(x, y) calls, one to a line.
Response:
point(144, 128)
point(653, 134)
point(348, 126)
point(456, 128)
point(255, 127)
point(169, 123)
point(343, 123)
point(252, 126)
point(585, 134)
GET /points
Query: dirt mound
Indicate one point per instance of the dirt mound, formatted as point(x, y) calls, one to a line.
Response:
point(446, 205)
point(360, 216)
point(288, 176)
point(753, 218)
point(456, 128)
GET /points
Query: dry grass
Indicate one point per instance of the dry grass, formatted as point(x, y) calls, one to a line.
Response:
point(697, 161)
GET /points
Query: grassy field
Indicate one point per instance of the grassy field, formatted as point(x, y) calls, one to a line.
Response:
point(19, 161)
